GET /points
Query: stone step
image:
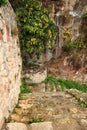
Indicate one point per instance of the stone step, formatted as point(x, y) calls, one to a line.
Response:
point(33, 126)
point(58, 124)
point(41, 126)
point(16, 126)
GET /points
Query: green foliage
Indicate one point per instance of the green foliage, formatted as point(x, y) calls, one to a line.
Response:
point(65, 83)
point(83, 105)
point(66, 34)
point(37, 30)
point(35, 120)
point(84, 15)
point(20, 97)
point(74, 45)
point(17, 106)
point(24, 86)
point(73, 84)
point(52, 81)
point(2, 3)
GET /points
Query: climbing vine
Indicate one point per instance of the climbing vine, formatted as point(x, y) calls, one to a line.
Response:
point(37, 30)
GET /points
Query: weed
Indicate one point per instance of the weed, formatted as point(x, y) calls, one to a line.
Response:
point(69, 84)
point(52, 81)
point(24, 86)
point(83, 105)
point(35, 120)
point(73, 84)
point(17, 106)
point(20, 97)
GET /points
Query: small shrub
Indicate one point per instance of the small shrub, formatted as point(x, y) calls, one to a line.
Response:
point(2, 3)
point(36, 29)
point(73, 45)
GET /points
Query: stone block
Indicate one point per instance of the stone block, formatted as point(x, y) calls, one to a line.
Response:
point(41, 126)
point(37, 77)
point(16, 126)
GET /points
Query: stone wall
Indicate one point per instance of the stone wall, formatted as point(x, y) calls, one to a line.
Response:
point(10, 62)
point(67, 14)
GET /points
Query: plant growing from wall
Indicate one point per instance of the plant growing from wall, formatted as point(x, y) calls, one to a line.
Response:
point(73, 45)
point(2, 3)
point(24, 87)
point(37, 30)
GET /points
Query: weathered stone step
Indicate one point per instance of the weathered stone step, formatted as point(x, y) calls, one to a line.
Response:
point(44, 105)
point(61, 124)
point(57, 108)
point(33, 126)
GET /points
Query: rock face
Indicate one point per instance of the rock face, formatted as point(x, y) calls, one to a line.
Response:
point(67, 15)
point(10, 62)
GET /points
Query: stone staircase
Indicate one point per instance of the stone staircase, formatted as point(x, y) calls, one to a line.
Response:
point(48, 110)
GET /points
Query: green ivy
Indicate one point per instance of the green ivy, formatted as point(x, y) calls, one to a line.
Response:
point(2, 2)
point(37, 30)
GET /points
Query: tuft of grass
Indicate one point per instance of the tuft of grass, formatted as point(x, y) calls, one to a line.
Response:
point(35, 120)
point(52, 81)
point(73, 84)
point(69, 84)
point(24, 86)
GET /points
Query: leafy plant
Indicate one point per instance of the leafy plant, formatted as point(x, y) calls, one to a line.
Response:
point(3, 2)
point(36, 29)
point(66, 34)
point(73, 45)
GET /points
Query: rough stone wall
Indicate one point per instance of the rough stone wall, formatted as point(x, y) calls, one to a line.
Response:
point(10, 62)
point(67, 16)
